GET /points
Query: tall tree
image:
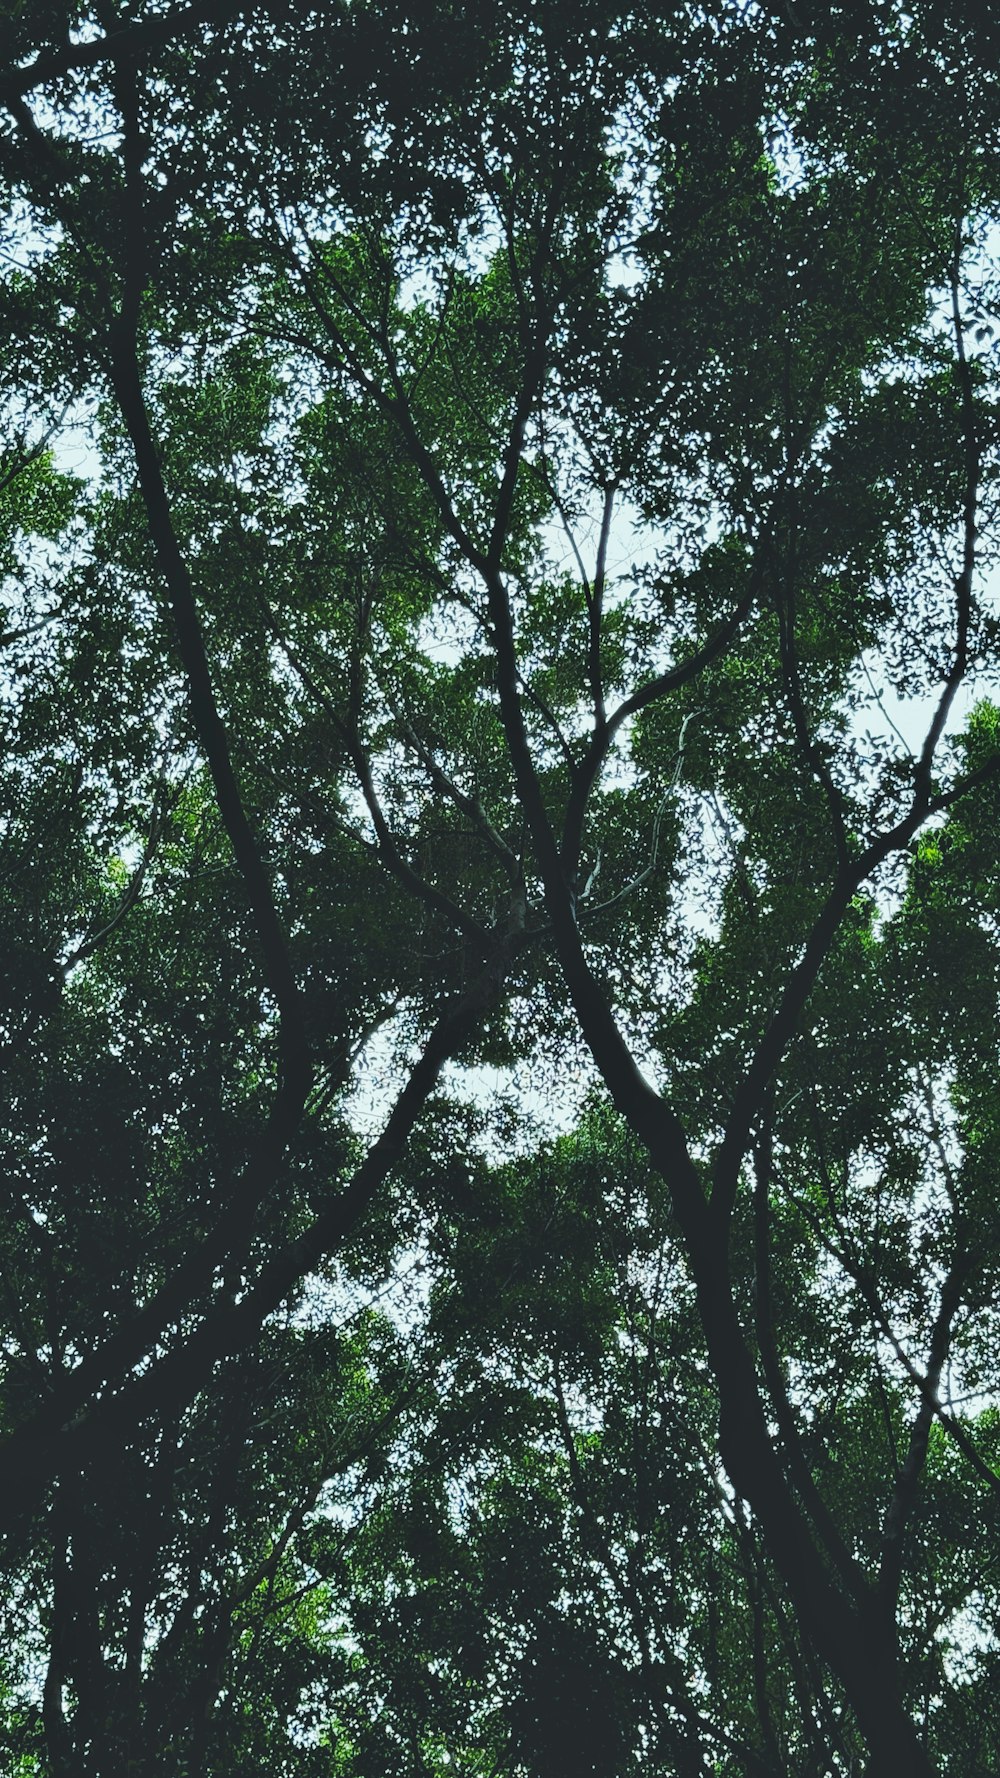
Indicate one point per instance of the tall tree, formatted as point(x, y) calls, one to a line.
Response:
point(524, 598)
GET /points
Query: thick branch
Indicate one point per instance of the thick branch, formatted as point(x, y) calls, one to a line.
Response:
point(851, 1640)
point(208, 723)
point(69, 1422)
point(124, 41)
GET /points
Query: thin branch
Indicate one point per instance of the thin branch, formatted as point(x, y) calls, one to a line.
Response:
point(9, 637)
point(395, 406)
point(904, 1498)
point(809, 745)
point(551, 488)
point(130, 895)
point(72, 1419)
point(22, 457)
point(799, 1470)
point(798, 987)
point(469, 806)
point(387, 844)
point(840, 1251)
point(963, 584)
point(591, 913)
point(595, 611)
point(586, 774)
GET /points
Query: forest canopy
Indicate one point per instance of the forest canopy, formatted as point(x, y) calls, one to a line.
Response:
point(499, 796)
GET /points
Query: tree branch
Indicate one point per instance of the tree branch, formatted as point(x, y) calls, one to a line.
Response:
point(123, 41)
point(963, 584)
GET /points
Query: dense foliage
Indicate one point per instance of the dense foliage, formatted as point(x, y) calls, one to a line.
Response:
point(499, 802)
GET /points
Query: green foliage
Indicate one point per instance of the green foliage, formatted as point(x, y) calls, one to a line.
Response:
point(497, 532)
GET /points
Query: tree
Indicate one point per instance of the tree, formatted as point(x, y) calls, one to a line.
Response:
point(535, 458)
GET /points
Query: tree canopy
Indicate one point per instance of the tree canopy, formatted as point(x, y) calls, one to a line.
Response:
point(501, 895)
